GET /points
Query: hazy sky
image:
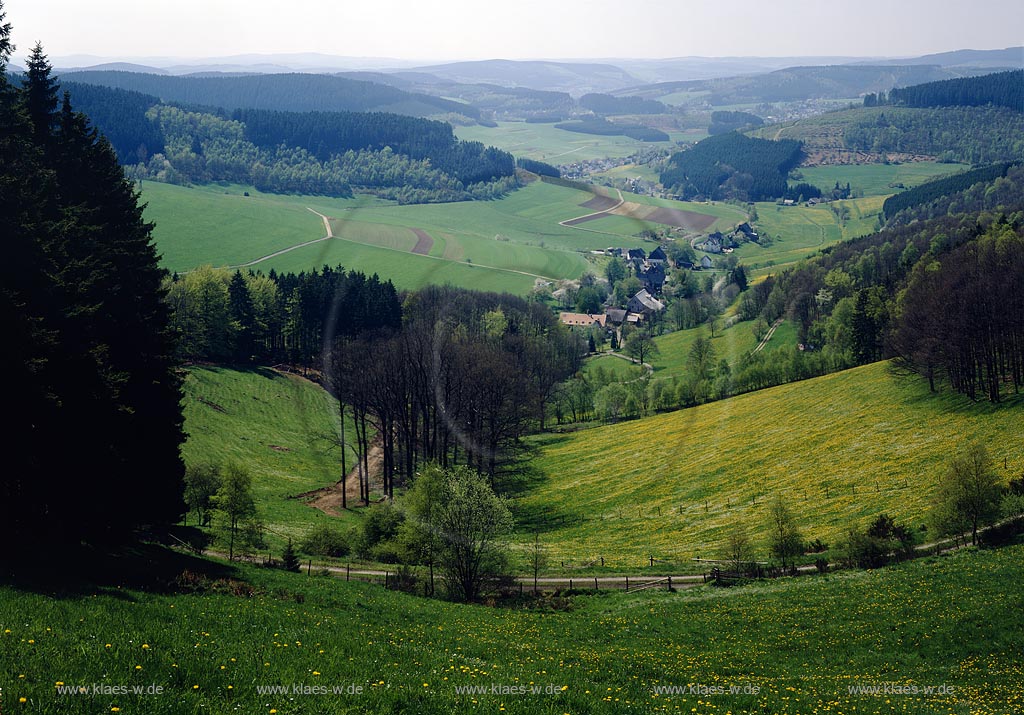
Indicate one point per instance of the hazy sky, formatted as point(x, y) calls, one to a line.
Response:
point(477, 29)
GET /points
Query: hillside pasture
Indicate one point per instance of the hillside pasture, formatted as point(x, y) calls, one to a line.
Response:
point(555, 146)
point(840, 449)
point(876, 179)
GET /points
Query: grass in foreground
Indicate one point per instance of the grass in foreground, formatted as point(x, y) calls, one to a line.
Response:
point(954, 622)
point(840, 449)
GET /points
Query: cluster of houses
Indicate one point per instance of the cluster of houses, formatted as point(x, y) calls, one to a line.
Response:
point(718, 242)
point(640, 307)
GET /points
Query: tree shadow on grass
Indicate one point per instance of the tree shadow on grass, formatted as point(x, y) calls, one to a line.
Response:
point(83, 570)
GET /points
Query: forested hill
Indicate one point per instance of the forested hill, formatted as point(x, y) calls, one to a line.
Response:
point(732, 166)
point(324, 134)
point(121, 116)
point(285, 92)
point(1002, 89)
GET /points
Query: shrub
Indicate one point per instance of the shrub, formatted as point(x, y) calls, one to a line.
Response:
point(324, 541)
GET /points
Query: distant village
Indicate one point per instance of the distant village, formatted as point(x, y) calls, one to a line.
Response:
point(651, 270)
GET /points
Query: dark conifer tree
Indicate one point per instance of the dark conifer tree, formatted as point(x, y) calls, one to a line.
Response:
point(97, 398)
point(243, 315)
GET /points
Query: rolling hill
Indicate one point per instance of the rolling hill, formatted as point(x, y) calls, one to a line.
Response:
point(840, 449)
point(291, 92)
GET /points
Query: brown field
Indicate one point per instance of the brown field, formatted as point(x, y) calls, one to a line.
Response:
point(423, 242)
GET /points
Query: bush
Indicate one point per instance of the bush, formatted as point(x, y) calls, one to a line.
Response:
point(381, 524)
point(324, 541)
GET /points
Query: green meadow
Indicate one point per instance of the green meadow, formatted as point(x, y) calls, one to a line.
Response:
point(555, 146)
point(492, 245)
point(840, 449)
point(282, 428)
point(212, 641)
point(800, 231)
point(877, 179)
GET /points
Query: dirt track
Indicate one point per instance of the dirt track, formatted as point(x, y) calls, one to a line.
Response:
point(328, 499)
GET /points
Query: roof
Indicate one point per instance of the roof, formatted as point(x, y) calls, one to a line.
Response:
point(616, 315)
point(648, 301)
point(658, 254)
point(582, 319)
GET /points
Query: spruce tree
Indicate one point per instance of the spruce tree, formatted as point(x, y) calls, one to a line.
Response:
point(93, 381)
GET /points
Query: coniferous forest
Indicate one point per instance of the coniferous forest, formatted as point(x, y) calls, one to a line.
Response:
point(89, 350)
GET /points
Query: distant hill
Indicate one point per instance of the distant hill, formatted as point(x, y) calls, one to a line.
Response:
point(1001, 89)
point(800, 83)
point(113, 67)
point(283, 92)
point(574, 77)
point(1009, 57)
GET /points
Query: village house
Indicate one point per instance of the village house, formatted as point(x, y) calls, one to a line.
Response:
point(643, 303)
point(657, 257)
point(652, 279)
point(706, 263)
point(615, 316)
point(582, 320)
point(714, 243)
point(748, 232)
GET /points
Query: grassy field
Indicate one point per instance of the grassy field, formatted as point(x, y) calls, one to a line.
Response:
point(490, 245)
point(555, 146)
point(611, 368)
point(840, 448)
point(730, 344)
point(952, 622)
point(281, 427)
point(799, 231)
point(875, 179)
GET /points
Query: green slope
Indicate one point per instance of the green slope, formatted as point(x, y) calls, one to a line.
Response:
point(282, 428)
point(839, 449)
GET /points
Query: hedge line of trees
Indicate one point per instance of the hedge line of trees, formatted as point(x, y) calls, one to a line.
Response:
point(88, 352)
point(1001, 89)
point(973, 135)
point(932, 190)
point(603, 127)
point(327, 134)
point(606, 104)
point(238, 317)
point(732, 166)
point(539, 167)
point(997, 195)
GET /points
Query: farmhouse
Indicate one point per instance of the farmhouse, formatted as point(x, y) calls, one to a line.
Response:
point(613, 251)
point(657, 257)
point(635, 254)
point(615, 316)
point(714, 243)
point(643, 303)
point(582, 320)
point(749, 233)
point(706, 263)
point(652, 279)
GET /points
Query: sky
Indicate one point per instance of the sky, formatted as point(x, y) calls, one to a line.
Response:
point(519, 29)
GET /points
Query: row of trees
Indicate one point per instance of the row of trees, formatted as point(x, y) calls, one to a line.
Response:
point(935, 191)
point(250, 317)
point(89, 351)
point(466, 376)
point(961, 316)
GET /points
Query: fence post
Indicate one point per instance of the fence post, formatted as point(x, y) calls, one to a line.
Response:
point(309, 567)
point(348, 571)
point(652, 561)
point(386, 579)
point(595, 583)
point(669, 583)
point(602, 562)
point(627, 583)
point(570, 584)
